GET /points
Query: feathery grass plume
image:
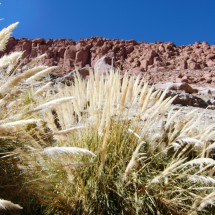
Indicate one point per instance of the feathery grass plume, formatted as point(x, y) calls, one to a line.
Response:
point(40, 74)
point(211, 147)
point(5, 35)
point(54, 151)
point(179, 143)
point(43, 89)
point(8, 205)
point(52, 103)
point(201, 179)
point(207, 200)
point(69, 130)
point(16, 125)
point(135, 134)
point(10, 60)
point(133, 161)
point(155, 176)
point(168, 170)
point(5, 88)
point(34, 61)
point(77, 164)
point(198, 161)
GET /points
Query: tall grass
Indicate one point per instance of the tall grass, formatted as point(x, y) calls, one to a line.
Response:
point(148, 160)
point(104, 145)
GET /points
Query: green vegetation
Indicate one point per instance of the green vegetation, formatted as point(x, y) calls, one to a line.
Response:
point(104, 145)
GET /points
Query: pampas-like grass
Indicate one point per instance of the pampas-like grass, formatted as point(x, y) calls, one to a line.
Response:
point(5, 35)
point(133, 161)
point(198, 161)
point(16, 125)
point(54, 151)
point(41, 74)
point(52, 103)
point(11, 83)
point(207, 200)
point(77, 164)
point(8, 205)
point(169, 170)
point(43, 89)
point(211, 147)
point(34, 61)
point(181, 142)
point(69, 130)
point(202, 179)
point(157, 179)
point(10, 60)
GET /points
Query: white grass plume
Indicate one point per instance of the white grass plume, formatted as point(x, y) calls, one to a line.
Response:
point(14, 126)
point(68, 130)
point(5, 88)
point(199, 161)
point(8, 205)
point(170, 169)
point(5, 35)
point(52, 103)
point(207, 200)
point(133, 161)
point(40, 74)
point(134, 133)
point(10, 59)
point(53, 151)
point(35, 61)
point(211, 147)
point(43, 89)
point(77, 164)
point(201, 179)
point(178, 144)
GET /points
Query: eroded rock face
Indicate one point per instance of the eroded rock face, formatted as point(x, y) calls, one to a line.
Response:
point(161, 61)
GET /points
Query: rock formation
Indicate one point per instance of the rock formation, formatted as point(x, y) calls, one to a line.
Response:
point(158, 62)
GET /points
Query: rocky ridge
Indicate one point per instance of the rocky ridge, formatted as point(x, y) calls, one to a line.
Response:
point(181, 69)
point(159, 62)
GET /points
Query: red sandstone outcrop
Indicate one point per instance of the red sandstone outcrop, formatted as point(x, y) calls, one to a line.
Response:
point(159, 62)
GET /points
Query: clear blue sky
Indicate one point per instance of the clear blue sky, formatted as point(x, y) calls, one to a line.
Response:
point(179, 21)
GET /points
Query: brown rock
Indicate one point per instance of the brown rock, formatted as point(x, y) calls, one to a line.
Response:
point(82, 58)
point(161, 60)
point(181, 86)
point(210, 63)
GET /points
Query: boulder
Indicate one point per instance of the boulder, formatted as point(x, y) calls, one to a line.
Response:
point(103, 65)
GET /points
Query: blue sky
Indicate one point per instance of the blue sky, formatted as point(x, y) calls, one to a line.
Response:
point(179, 21)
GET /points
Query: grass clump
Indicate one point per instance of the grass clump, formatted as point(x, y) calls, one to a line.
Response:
point(141, 158)
point(104, 145)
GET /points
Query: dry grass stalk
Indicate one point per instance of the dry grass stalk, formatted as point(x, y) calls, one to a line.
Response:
point(207, 200)
point(52, 104)
point(34, 61)
point(43, 89)
point(17, 125)
point(10, 60)
point(8, 205)
point(133, 161)
point(202, 179)
point(5, 35)
point(5, 88)
point(169, 170)
point(55, 151)
point(69, 130)
point(41, 74)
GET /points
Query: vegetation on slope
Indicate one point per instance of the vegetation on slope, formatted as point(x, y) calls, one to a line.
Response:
point(103, 145)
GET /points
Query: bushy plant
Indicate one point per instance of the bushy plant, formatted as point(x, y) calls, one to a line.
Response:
point(18, 121)
point(119, 149)
point(104, 145)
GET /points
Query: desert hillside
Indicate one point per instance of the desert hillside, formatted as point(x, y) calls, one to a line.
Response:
point(160, 61)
